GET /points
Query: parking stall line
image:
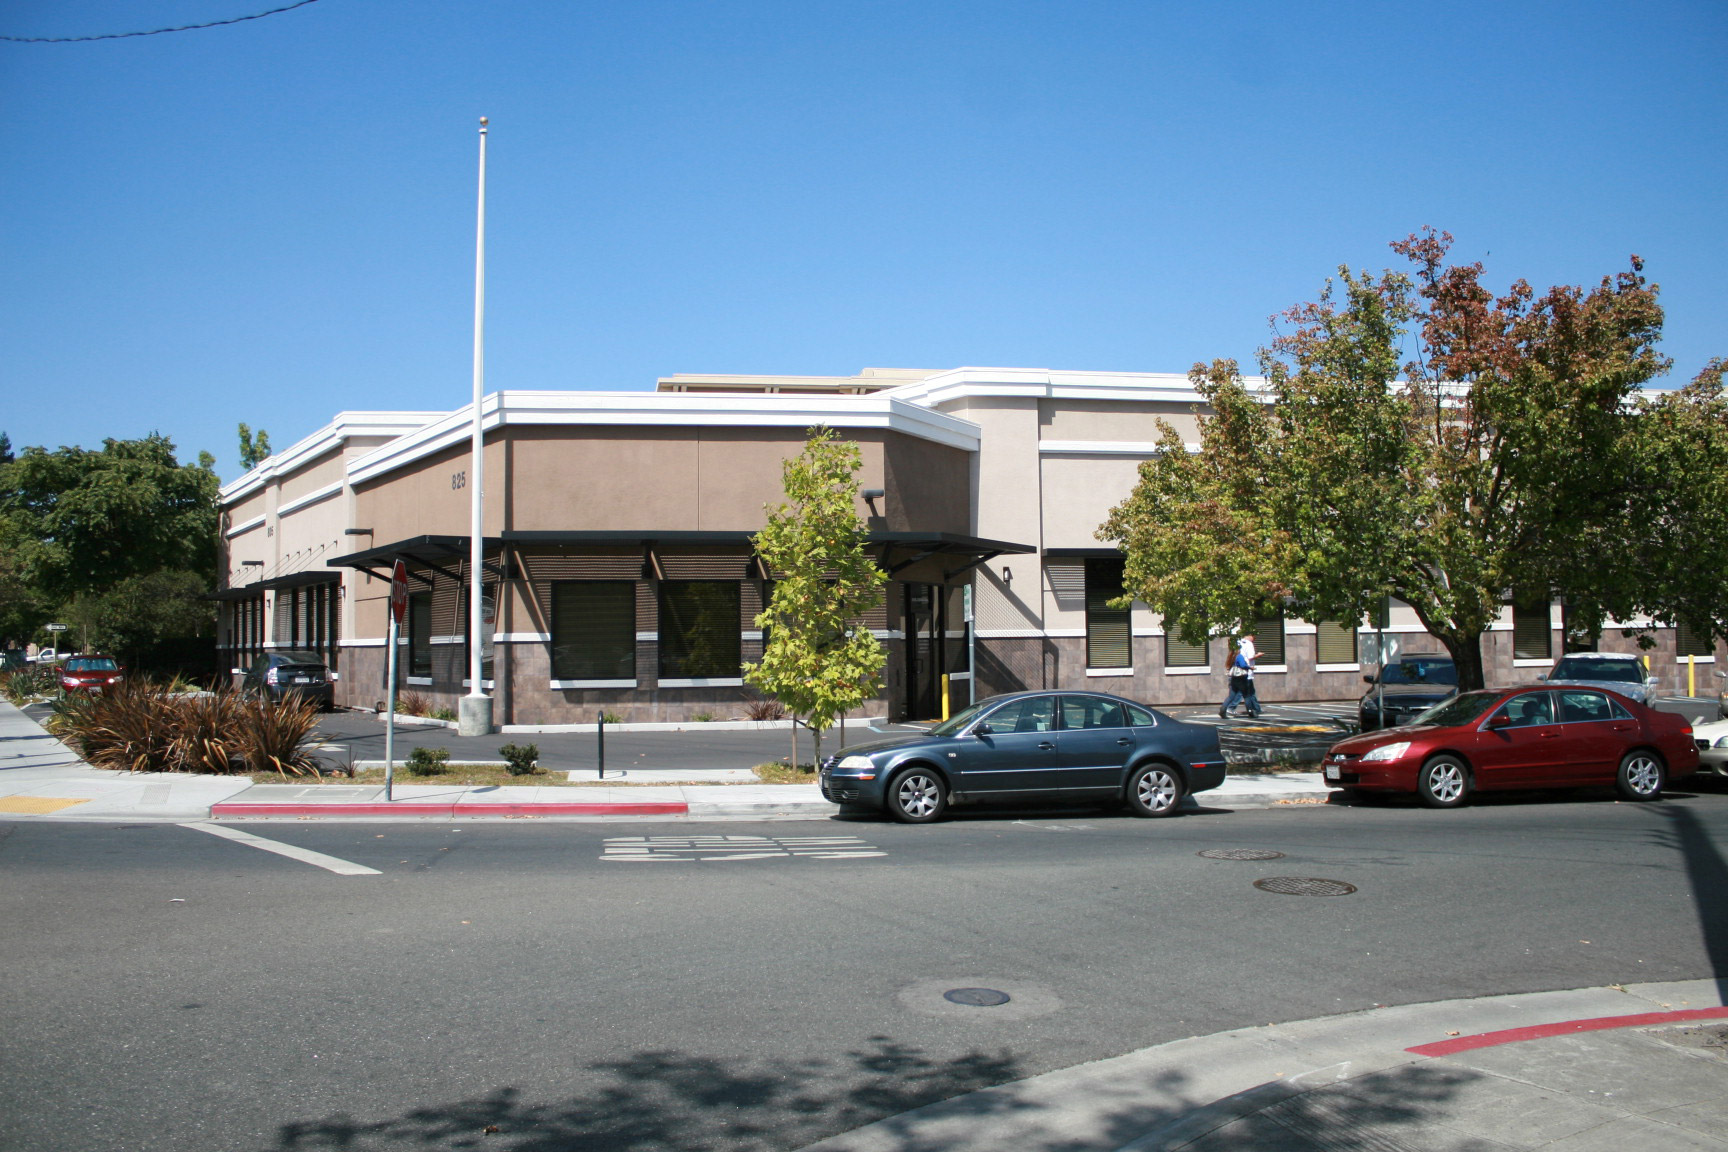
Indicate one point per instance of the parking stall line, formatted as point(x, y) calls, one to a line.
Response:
point(304, 855)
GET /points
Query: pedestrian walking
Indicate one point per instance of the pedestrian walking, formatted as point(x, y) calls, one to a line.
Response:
point(1241, 679)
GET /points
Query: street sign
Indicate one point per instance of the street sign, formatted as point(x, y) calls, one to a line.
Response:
point(399, 591)
point(53, 627)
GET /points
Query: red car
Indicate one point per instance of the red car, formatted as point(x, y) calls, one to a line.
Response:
point(90, 674)
point(1529, 737)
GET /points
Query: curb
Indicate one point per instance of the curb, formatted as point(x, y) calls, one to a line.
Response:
point(449, 810)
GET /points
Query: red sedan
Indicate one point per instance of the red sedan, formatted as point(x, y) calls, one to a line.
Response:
point(1529, 737)
point(90, 674)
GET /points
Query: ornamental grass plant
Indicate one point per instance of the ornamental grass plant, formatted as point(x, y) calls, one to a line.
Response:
point(144, 726)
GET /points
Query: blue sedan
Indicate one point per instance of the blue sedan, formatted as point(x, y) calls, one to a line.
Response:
point(1027, 747)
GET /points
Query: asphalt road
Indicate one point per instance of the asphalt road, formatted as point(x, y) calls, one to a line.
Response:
point(610, 986)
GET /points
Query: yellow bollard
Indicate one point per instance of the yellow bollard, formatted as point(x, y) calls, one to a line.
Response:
point(944, 695)
point(1691, 672)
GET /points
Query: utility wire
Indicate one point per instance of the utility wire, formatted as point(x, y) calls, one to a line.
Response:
point(155, 31)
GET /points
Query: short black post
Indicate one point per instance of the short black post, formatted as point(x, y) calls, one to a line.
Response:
point(602, 730)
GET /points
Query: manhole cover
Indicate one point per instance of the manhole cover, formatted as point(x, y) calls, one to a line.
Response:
point(1240, 854)
point(1304, 886)
point(976, 997)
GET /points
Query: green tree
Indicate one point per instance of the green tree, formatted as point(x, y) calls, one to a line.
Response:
point(79, 522)
point(1501, 457)
point(819, 661)
point(145, 620)
point(253, 451)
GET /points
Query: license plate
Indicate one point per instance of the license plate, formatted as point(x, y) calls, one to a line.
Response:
point(1331, 771)
point(302, 679)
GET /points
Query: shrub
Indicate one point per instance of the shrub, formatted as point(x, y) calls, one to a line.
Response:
point(428, 761)
point(764, 709)
point(413, 704)
point(611, 718)
point(23, 685)
point(143, 726)
point(443, 713)
point(704, 717)
point(521, 758)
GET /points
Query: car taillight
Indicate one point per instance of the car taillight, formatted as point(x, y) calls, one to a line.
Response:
point(270, 676)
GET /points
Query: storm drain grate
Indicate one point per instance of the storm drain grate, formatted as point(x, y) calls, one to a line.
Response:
point(1241, 854)
point(976, 997)
point(1304, 886)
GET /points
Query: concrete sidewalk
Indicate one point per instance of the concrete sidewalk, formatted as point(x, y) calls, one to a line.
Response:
point(39, 777)
point(1590, 1070)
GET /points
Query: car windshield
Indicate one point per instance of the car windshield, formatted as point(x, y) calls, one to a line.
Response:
point(954, 724)
point(1416, 671)
point(1459, 710)
point(92, 664)
point(1611, 671)
point(294, 656)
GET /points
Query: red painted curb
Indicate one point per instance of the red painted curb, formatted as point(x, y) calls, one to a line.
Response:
point(1564, 1028)
point(407, 808)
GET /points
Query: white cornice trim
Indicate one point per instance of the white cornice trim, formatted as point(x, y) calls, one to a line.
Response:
point(668, 409)
point(332, 435)
point(310, 499)
point(1041, 383)
point(244, 527)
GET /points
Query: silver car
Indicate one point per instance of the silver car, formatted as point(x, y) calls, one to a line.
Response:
point(1616, 671)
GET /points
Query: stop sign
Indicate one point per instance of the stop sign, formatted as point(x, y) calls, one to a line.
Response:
point(399, 592)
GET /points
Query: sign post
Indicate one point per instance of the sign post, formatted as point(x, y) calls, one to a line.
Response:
point(398, 608)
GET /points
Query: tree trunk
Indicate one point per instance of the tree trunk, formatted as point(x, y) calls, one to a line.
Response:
point(1466, 653)
point(816, 749)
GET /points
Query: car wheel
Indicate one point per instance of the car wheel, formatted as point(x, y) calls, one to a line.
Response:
point(917, 796)
point(1640, 776)
point(1155, 790)
point(1444, 782)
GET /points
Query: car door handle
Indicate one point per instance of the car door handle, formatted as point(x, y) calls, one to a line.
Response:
point(1125, 742)
point(1045, 745)
point(1549, 735)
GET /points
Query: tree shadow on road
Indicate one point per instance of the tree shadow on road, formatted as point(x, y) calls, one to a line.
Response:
point(666, 1101)
point(672, 1100)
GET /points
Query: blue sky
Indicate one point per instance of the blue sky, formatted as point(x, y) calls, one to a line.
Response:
point(273, 221)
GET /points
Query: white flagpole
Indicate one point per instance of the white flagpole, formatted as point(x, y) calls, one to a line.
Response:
point(475, 716)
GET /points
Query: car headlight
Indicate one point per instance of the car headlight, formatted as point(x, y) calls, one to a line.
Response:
point(1389, 751)
point(856, 762)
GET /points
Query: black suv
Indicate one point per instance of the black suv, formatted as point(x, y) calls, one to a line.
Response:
point(286, 671)
point(1410, 685)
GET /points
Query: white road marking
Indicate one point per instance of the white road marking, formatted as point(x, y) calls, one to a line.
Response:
point(304, 855)
point(655, 849)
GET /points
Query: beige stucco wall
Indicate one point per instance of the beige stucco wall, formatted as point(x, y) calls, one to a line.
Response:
point(421, 499)
point(1078, 492)
point(311, 476)
point(1114, 420)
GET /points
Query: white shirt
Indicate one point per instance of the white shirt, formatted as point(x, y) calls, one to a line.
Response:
point(1248, 652)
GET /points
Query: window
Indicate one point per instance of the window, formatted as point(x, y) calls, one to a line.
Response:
point(1107, 628)
point(1577, 706)
point(1141, 717)
point(419, 633)
point(700, 636)
point(1691, 640)
point(1029, 714)
point(1091, 712)
point(594, 630)
point(1178, 653)
point(1528, 710)
point(1269, 639)
point(1532, 629)
point(1334, 643)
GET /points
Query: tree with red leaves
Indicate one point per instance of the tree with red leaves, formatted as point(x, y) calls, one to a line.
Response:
point(1421, 437)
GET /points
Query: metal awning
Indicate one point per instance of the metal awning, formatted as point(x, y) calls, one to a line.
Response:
point(301, 579)
point(896, 551)
point(434, 552)
point(244, 592)
point(1084, 553)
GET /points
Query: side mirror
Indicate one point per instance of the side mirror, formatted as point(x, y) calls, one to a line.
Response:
point(1721, 675)
point(1501, 720)
point(1543, 677)
point(1368, 680)
point(981, 730)
point(1652, 681)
